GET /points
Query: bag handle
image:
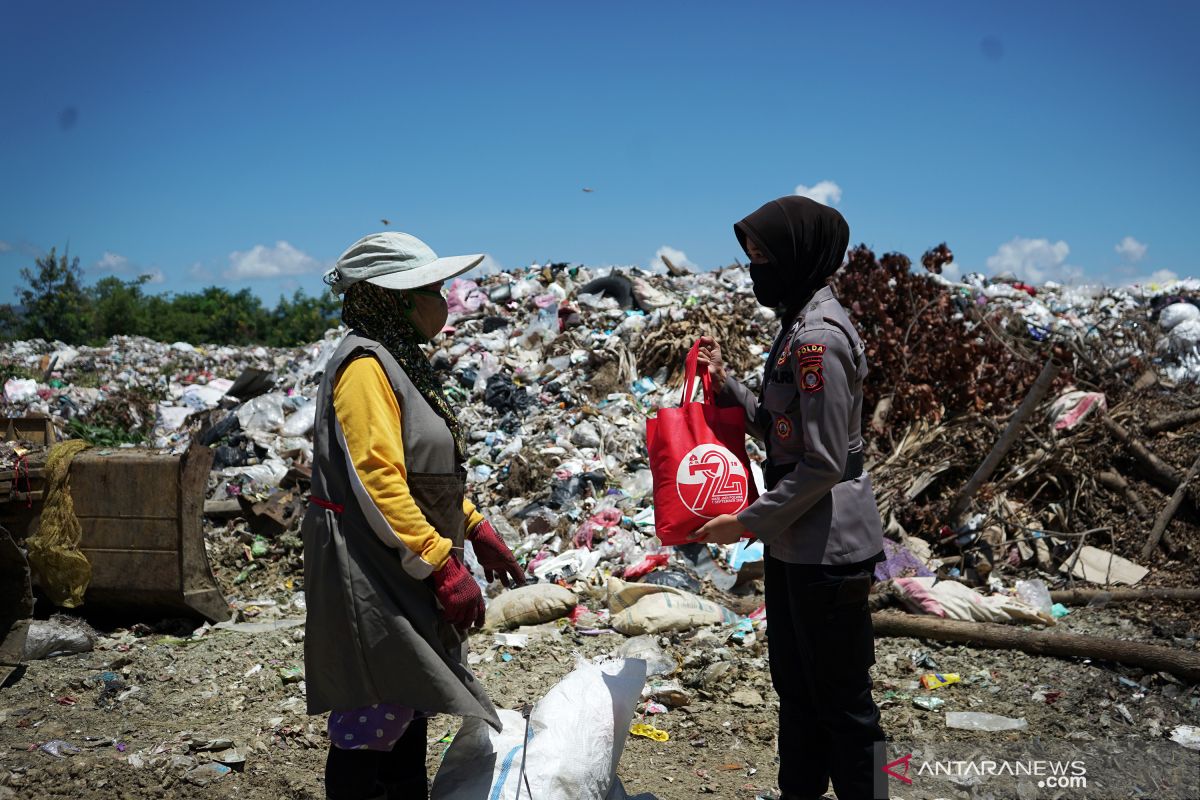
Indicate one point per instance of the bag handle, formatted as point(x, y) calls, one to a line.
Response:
point(692, 367)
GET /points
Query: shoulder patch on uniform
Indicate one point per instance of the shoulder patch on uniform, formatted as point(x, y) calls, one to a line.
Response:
point(811, 379)
point(809, 350)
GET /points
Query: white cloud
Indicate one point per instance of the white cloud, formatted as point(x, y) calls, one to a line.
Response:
point(826, 192)
point(951, 271)
point(114, 263)
point(154, 276)
point(261, 261)
point(199, 272)
point(1131, 249)
point(1034, 261)
point(1157, 277)
point(677, 257)
point(5, 247)
point(489, 266)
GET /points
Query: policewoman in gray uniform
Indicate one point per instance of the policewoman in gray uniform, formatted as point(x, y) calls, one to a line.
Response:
point(818, 518)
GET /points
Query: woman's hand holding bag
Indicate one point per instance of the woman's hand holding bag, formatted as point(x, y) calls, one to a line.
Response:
point(698, 457)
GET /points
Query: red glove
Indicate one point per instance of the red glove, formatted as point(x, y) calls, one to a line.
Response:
point(459, 595)
point(495, 557)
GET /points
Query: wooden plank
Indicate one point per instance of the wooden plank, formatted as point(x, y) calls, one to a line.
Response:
point(156, 570)
point(109, 533)
point(140, 484)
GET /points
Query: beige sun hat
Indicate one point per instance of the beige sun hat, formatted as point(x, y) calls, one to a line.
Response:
point(395, 260)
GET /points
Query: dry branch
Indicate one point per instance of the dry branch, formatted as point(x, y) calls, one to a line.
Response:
point(1158, 469)
point(1081, 597)
point(1007, 439)
point(1164, 518)
point(1181, 663)
point(1115, 482)
point(1173, 421)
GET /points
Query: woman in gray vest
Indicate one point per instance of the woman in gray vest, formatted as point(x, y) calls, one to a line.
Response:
point(818, 518)
point(389, 600)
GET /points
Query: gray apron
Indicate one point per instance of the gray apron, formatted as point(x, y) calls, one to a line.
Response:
point(374, 633)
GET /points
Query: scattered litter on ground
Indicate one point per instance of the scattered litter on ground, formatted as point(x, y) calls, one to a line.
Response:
point(555, 376)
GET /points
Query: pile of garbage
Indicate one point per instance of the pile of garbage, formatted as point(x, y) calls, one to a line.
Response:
point(1033, 451)
point(555, 369)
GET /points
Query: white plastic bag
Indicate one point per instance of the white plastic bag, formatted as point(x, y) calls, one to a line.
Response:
point(1176, 313)
point(301, 422)
point(263, 414)
point(1035, 593)
point(20, 390)
point(570, 748)
point(1185, 337)
point(57, 636)
point(982, 721)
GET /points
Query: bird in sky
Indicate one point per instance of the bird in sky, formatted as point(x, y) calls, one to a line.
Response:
point(588, 189)
point(385, 222)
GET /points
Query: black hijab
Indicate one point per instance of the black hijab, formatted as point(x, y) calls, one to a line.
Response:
point(805, 242)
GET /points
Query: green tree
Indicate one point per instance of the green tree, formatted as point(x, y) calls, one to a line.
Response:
point(56, 305)
point(302, 319)
point(118, 307)
point(212, 316)
point(11, 323)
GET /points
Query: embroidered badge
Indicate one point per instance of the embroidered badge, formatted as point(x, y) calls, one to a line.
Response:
point(807, 351)
point(811, 379)
point(783, 356)
point(783, 428)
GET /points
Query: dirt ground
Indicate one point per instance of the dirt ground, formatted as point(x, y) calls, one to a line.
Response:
point(143, 730)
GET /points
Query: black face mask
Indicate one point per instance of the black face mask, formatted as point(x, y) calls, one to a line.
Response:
point(769, 286)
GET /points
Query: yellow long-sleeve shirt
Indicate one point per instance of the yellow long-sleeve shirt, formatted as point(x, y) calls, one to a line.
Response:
point(369, 415)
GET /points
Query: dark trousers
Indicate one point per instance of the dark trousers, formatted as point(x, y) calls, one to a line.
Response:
point(821, 645)
point(367, 774)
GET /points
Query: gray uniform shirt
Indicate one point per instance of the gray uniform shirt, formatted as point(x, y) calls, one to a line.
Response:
point(810, 415)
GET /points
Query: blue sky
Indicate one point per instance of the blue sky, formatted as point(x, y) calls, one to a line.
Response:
point(250, 143)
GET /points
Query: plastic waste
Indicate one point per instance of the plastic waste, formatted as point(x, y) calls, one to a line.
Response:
point(20, 390)
point(300, 422)
point(1035, 593)
point(928, 703)
point(58, 748)
point(745, 552)
point(1073, 407)
point(670, 693)
point(647, 648)
point(676, 579)
point(570, 746)
point(936, 680)
point(1177, 313)
point(1058, 610)
point(982, 721)
point(650, 562)
point(262, 414)
point(464, 296)
point(207, 773)
point(199, 396)
point(648, 731)
point(58, 636)
point(1186, 735)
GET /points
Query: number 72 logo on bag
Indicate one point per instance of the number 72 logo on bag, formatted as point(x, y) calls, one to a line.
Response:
point(712, 481)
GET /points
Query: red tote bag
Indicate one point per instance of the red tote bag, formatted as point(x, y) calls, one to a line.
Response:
point(698, 461)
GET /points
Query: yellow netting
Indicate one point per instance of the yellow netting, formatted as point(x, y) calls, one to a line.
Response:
point(63, 571)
